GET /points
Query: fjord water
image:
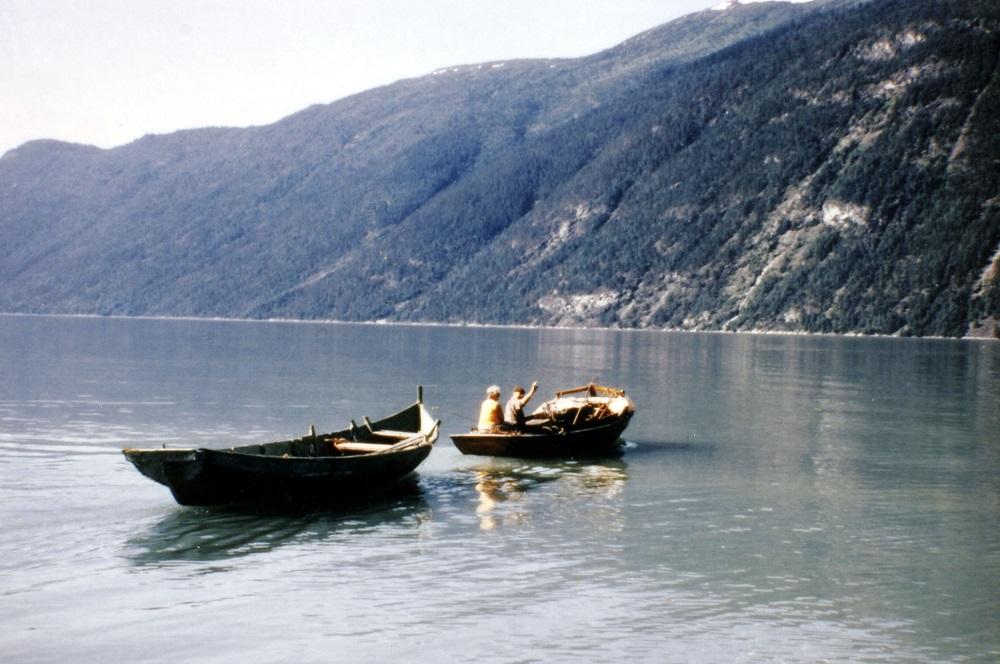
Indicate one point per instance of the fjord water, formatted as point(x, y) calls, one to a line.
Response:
point(780, 498)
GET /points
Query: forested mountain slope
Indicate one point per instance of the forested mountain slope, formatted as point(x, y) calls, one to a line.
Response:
point(830, 167)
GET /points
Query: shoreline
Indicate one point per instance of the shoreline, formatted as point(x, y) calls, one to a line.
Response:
point(499, 326)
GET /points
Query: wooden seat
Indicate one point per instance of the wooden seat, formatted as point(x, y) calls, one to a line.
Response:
point(401, 435)
point(349, 446)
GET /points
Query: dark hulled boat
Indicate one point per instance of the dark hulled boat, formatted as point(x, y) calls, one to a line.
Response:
point(353, 461)
point(586, 421)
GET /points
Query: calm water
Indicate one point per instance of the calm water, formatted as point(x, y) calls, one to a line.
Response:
point(784, 499)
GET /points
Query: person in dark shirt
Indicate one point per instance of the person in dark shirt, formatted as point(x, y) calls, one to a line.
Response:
point(513, 414)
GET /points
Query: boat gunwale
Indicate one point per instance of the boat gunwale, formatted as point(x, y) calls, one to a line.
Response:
point(428, 436)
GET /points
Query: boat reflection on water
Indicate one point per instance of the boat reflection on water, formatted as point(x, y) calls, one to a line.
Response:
point(502, 488)
point(494, 489)
point(223, 533)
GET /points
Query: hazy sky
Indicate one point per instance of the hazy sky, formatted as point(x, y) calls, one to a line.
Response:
point(105, 72)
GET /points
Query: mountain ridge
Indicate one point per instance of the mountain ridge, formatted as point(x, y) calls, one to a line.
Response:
point(393, 204)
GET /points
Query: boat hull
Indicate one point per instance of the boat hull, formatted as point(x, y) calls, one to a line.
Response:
point(598, 441)
point(585, 421)
point(216, 477)
point(309, 468)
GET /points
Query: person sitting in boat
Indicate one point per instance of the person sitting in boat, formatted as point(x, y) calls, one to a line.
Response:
point(490, 412)
point(513, 414)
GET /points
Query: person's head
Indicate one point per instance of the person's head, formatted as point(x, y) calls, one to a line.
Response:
point(519, 391)
point(493, 392)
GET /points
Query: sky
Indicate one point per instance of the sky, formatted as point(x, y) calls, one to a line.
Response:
point(106, 72)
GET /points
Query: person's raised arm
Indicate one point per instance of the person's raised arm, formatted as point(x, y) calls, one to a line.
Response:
point(531, 392)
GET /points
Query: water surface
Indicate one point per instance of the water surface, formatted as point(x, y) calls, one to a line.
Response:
point(781, 498)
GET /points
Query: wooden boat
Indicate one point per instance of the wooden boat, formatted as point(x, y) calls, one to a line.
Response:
point(357, 460)
point(583, 422)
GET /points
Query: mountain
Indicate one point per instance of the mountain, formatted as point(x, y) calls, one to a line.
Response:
point(829, 167)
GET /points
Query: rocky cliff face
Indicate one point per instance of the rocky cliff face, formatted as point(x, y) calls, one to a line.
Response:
point(825, 168)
